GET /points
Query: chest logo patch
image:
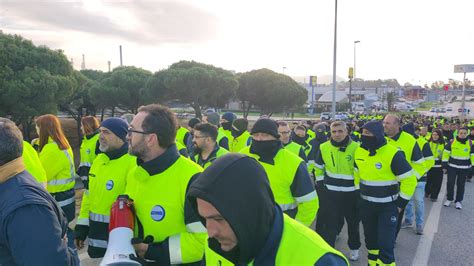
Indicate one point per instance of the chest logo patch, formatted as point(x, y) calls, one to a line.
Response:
point(378, 165)
point(109, 185)
point(158, 213)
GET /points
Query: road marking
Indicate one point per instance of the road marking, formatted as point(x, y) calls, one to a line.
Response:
point(423, 250)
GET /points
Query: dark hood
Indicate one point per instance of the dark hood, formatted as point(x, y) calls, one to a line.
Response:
point(376, 128)
point(238, 187)
point(410, 129)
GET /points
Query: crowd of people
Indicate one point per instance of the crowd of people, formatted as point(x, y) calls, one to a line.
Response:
point(221, 191)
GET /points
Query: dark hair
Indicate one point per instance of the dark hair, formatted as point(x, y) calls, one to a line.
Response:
point(11, 141)
point(440, 134)
point(300, 127)
point(160, 120)
point(282, 124)
point(207, 129)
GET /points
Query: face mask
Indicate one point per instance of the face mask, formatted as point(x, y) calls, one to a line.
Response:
point(265, 149)
point(368, 142)
point(299, 140)
point(227, 125)
point(235, 133)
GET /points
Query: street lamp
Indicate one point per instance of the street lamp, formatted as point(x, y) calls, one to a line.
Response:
point(333, 107)
point(355, 42)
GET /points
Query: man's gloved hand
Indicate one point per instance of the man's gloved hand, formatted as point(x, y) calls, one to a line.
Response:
point(141, 245)
point(80, 235)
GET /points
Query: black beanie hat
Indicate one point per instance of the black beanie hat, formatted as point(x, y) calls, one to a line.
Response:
point(118, 126)
point(193, 121)
point(266, 125)
point(240, 124)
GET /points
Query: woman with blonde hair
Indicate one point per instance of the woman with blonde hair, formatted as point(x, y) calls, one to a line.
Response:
point(89, 147)
point(56, 156)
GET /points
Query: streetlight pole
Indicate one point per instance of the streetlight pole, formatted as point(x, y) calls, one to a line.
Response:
point(355, 42)
point(333, 111)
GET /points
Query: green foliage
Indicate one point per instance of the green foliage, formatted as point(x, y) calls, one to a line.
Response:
point(270, 91)
point(155, 89)
point(125, 84)
point(379, 83)
point(33, 79)
point(197, 84)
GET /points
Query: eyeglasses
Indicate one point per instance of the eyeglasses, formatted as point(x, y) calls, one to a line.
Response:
point(131, 130)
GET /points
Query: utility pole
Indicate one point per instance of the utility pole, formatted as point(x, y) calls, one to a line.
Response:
point(121, 63)
point(333, 109)
point(351, 75)
point(83, 65)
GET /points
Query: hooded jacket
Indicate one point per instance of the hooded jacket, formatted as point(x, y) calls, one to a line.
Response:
point(222, 184)
point(258, 225)
point(376, 128)
point(32, 225)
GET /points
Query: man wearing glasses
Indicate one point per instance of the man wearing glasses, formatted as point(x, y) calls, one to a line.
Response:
point(172, 233)
point(285, 132)
point(205, 144)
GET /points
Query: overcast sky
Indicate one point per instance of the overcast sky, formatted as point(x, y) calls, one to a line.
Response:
point(416, 41)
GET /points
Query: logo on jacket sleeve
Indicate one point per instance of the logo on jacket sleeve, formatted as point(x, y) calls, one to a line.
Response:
point(378, 165)
point(157, 213)
point(109, 185)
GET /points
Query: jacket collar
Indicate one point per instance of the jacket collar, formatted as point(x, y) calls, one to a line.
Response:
point(115, 154)
point(211, 156)
point(396, 137)
point(267, 256)
point(162, 162)
point(11, 169)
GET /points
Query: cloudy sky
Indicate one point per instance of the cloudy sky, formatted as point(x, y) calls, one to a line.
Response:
point(416, 41)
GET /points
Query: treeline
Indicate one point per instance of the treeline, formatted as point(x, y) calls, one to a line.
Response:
point(35, 80)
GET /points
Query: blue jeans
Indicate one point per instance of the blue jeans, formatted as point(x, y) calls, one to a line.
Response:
point(418, 198)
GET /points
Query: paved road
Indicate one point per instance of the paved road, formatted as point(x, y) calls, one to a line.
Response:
point(454, 112)
point(448, 238)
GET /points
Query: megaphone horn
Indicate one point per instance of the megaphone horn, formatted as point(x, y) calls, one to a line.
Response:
point(119, 247)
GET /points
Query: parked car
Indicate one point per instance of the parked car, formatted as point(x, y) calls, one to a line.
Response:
point(325, 116)
point(442, 110)
point(449, 108)
point(433, 110)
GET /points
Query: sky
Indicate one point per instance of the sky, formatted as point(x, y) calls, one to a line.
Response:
point(416, 41)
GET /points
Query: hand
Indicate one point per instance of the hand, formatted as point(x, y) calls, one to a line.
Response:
point(141, 249)
point(79, 243)
point(399, 209)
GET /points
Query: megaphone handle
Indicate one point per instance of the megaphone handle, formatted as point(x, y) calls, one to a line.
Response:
point(139, 225)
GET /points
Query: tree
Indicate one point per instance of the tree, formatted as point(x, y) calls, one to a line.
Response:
point(391, 98)
point(269, 91)
point(126, 84)
point(79, 100)
point(33, 80)
point(199, 85)
point(155, 90)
